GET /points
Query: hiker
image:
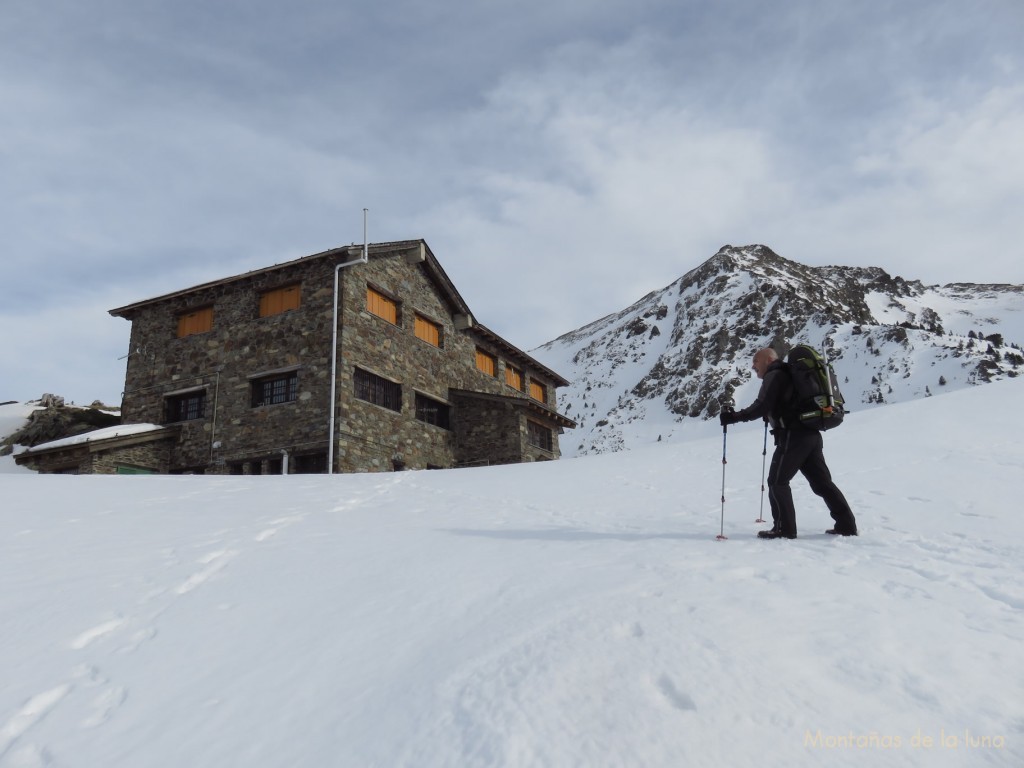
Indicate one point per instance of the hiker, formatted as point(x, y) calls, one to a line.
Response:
point(797, 449)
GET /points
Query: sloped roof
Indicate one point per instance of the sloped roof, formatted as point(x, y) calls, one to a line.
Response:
point(341, 254)
point(431, 265)
point(528, 404)
point(99, 439)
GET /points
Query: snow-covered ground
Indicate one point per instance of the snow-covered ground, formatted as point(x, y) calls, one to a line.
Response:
point(572, 613)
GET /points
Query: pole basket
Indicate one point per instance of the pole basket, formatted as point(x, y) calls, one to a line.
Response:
point(721, 537)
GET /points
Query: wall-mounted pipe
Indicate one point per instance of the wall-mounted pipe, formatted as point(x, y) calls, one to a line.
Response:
point(334, 341)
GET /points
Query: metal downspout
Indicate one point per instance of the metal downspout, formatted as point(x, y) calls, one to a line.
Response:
point(334, 342)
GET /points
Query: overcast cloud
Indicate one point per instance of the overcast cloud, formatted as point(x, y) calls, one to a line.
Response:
point(562, 158)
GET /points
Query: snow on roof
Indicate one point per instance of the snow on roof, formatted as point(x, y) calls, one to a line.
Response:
point(121, 430)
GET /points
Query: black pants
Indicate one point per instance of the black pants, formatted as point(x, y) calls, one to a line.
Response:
point(800, 450)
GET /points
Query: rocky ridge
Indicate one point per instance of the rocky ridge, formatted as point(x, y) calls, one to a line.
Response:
point(670, 360)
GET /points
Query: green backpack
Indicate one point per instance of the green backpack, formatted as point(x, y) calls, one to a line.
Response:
point(817, 402)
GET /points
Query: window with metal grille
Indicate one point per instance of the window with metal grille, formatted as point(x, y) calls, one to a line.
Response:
point(271, 390)
point(428, 331)
point(374, 389)
point(196, 321)
point(185, 407)
point(538, 436)
point(486, 362)
point(380, 305)
point(280, 300)
point(514, 377)
point(432, 411)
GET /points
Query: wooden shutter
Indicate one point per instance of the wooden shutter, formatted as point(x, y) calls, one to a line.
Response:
point(514, 377)
point(486, 362)
point(198, 321)
point(280, 300)
point(428, 330)
point(381, 306)
point(538, 391)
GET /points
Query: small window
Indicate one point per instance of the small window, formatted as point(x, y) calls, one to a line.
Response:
point(514, 377)
point(310, 464)
point(538, 391)
point(280, 300)
point(428, 331)
point(271, 390)
point(382, 306)
point(432, 411)
point(538, 436)
point(197, 321)
point(486, 362)
point(376, 390)
point(185, 407)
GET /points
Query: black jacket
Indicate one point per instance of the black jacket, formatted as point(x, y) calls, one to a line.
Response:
point(773, 398)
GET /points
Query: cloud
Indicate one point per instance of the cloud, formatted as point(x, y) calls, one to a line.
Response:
point(562, 160)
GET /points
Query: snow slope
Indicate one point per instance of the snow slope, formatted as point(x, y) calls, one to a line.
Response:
point(572, 613)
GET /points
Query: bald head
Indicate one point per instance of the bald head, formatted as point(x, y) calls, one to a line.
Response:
point(762, 359)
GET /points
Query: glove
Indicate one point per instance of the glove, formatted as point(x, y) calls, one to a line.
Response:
point(728, 416)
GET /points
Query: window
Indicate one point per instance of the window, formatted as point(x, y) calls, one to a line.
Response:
point(185, 407)
point(432, 411)
point(514, 377)
point(280, 300)
point(486, 362)
point(310, 464)
point(428, 330)
point(374, 389)
point(271, 390)
point(538, 436)
point(538, 391)
point(382, 306)
point(197, 321)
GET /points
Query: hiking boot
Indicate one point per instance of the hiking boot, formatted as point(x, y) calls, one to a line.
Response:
point(837, 532)
point(773, 534)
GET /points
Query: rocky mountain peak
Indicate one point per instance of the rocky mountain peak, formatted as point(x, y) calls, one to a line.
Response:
point(673, 357)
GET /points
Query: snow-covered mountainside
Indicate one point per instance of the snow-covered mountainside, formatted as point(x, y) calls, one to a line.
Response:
point(664, 365)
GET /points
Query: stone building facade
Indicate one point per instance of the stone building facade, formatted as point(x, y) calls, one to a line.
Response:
point(242, 367)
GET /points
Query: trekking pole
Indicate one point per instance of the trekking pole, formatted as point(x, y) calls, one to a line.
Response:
point(721, 534)
point(764, 456)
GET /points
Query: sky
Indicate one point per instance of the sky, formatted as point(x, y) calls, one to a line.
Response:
point(578, 612)
point(562, 159)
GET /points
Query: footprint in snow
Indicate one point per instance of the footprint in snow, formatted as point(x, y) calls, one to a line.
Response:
point(95, 633)
point(104, 705)
point(34, 710)
point(214, 562)
point(678, 699)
